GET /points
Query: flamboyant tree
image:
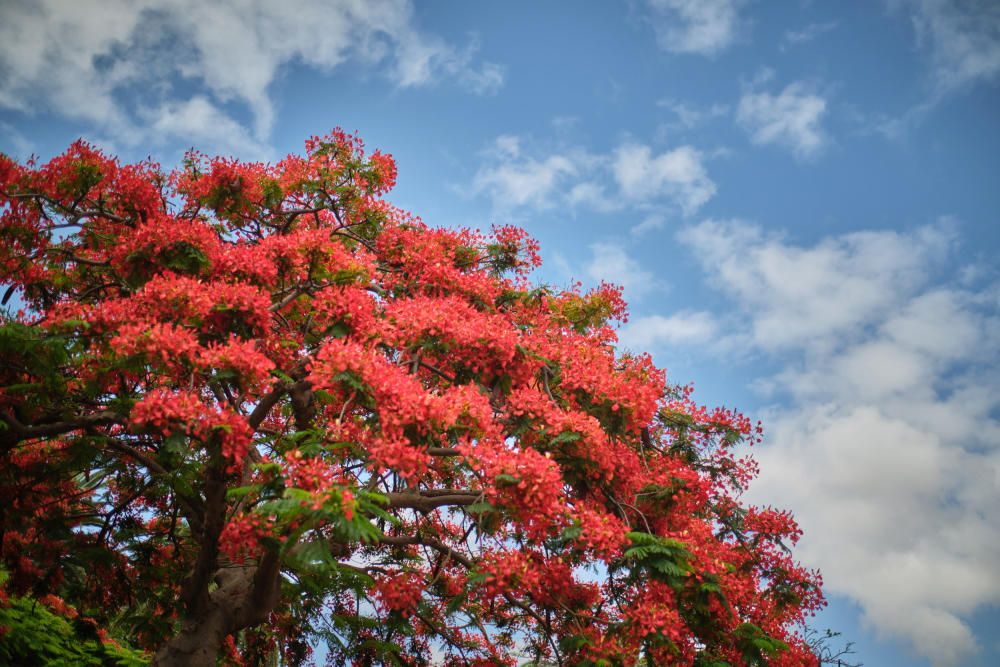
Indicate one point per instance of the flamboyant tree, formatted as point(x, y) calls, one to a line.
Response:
point(246, 406)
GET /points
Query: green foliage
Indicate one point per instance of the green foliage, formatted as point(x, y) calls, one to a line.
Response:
point(756, 645)
point(586, 311)
point(42, 358)
point(665, 559)
point(36, 636)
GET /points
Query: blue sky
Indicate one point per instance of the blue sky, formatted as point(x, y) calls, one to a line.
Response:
point(801, 200)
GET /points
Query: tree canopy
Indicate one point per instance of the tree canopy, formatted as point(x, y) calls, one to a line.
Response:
point(250, 406)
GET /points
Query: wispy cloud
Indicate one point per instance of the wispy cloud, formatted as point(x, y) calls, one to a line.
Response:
point(20, 146)
point(807, 33)
point(704, 27)
point(962, 43)
point(89, 60)
point(791, 119)
point(650, 223)
point(689, 116)
point(888, 446)
point(961, 38)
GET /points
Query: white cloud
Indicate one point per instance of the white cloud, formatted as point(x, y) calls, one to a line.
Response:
point(421, 59)
point(704, 27)
point(85, 60)
point(507, 146)
point(529, 182)
point(808, 33)
point(889, 448)
point(204, 125)
point(611, 263)
point(591, 195)
point(801, 297)
point(48, 52)
point(678, 173)
point(918, 325)
point(655, 332)
point(689, 116)
point(791, 119)
point(21, 148)
point(513, 179)
point(630, 176)
point(898, 516)
point(963, 39)
point(650, 223)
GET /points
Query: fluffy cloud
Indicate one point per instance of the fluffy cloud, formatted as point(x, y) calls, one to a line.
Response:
point(611, 263)
point(963, 38)
point(656, 332)
point(704, 27)
point(791, 119)
point(889, 446)
point(202, 123)
point(514, 177)
point(679, 174)
point(84, 60)
point(806, 297)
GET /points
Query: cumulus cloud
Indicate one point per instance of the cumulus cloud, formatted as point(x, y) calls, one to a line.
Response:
point(202, 123)
point(87, 60)
point(791, 119)
point(679, 174)
point(513, 179)
point(631, 176)
point(962, 39)
point(704, 27)
point(888, 448)
point(804, 297)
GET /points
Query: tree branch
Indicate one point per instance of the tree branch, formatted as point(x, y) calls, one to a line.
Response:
point(24, 432)
point(430, 503)
point(269, 400)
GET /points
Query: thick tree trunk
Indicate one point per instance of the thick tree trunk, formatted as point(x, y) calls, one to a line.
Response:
point(244, 598)
point(197, 644)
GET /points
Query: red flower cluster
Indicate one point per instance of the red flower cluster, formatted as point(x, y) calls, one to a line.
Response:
point(168, 413)
point(240, 539)
point(601, 533)
point(267, 388)
point(400, 592)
